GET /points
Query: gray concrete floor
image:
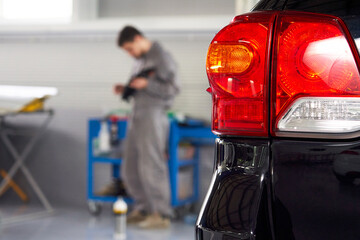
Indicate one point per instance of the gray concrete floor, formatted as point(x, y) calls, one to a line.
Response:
point(70, 223)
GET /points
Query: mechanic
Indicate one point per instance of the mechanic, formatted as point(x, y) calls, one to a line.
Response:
point(145, 167)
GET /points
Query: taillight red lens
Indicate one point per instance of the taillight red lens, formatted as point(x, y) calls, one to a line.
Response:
point(315, 80)
point(313, 63)
point(237, 70)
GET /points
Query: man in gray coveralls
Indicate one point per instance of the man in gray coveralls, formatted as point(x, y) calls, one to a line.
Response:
point(145, 167)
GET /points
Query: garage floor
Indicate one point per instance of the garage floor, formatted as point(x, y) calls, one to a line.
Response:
point(67, 223)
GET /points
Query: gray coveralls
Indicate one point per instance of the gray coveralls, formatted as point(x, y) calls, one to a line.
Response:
point(145, 168)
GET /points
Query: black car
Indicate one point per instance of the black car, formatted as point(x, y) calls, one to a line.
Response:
point(285, 85)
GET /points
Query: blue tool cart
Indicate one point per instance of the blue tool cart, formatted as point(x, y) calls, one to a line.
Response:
point(190, 131)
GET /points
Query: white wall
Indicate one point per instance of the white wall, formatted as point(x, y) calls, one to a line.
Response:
point(84, 69)
point(116, 8)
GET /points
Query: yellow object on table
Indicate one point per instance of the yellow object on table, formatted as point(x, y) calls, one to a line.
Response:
point(35, 105)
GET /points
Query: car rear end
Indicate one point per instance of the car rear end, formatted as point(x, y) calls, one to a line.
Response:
point(285, 85)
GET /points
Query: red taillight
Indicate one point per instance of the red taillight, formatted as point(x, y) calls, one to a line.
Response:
point(315, 77)
point(237, 70)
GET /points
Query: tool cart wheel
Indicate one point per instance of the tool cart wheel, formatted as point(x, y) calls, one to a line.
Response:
point(94, 208)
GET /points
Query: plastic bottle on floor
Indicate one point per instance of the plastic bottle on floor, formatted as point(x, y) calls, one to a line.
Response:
point(120, 209)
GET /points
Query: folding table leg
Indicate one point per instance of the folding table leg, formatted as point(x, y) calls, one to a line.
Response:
point(19, 163)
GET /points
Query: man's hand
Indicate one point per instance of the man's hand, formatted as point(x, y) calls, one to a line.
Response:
point(119, 88)
point(139, 83)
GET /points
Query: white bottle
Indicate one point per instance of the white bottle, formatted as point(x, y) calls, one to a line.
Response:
point(104, 138)
point(120, 209)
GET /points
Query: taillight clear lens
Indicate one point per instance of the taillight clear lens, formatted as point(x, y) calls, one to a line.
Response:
point(317, 80)
point(237, 71)
point(322, 114)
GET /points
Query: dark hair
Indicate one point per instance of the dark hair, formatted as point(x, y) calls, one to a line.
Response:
point(127, 34)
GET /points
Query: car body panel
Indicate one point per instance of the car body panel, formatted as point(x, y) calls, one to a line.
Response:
point(240, 179)
point(315, 190)
point(315, 187)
